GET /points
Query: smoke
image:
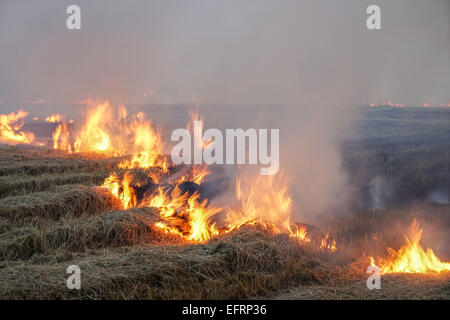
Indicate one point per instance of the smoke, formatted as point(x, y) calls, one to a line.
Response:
point(306, 60)
point(380, 190)
point(223, 52)
point(438, 196)
point(312, 156)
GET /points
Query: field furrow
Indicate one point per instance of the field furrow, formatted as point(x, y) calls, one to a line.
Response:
point(63, 201)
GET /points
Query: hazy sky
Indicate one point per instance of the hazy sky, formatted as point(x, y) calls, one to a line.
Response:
point(237, 51)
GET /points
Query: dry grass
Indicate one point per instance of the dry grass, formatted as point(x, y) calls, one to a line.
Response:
point(108, 230)
point(29, 160)
point(52, 222)
point(393, 287)
point(245, 264)
point(64, 201)
point(22, 185)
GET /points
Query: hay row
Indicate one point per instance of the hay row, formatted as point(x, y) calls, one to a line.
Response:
point(394, 287)
point(243, 264)
point(22, 185)
point(64, 201)
point(26, 152)
point(37, 167)
point(112, 229)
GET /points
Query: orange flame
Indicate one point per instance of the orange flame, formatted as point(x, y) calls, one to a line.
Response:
point(265, 200)
point(105, 132)
point(196, 174)
point(61, 138)
point(191, 221)
point(327, 244)
point(195, 116)
point(147, 146)
point(412, 258)
point(54, 118)
point(262, 200)
point(93, 136)
point(10, 125)
point(184, 215)
point(201, 228)
point(121, 189)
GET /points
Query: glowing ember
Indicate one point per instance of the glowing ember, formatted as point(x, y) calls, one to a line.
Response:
point(412, 258)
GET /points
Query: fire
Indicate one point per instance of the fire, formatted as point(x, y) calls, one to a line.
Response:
point(411, 257)
point(327, 244)
point(54, 118)
point(261, 200)
point(61, 138)
point(147, 146)
point(121, 189)
point(93, 136)
point(10, 129)
point(386, 104)
point(195, 116)
point(265, 200)
point(201, 228)
point(197, 174)
point(112, 133)
point(298, 234)
point(185, 215)
point(182, 214)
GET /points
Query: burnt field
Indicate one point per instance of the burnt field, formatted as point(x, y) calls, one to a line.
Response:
point(154, 232)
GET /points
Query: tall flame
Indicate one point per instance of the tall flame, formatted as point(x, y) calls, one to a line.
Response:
point(121, 189)
point(112, 133)
point(147, 146)
point(93, 136)
point(62, 138)
point(201, 228)
point(264, 200)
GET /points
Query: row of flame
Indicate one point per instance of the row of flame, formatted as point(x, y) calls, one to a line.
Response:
point(262, 200)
